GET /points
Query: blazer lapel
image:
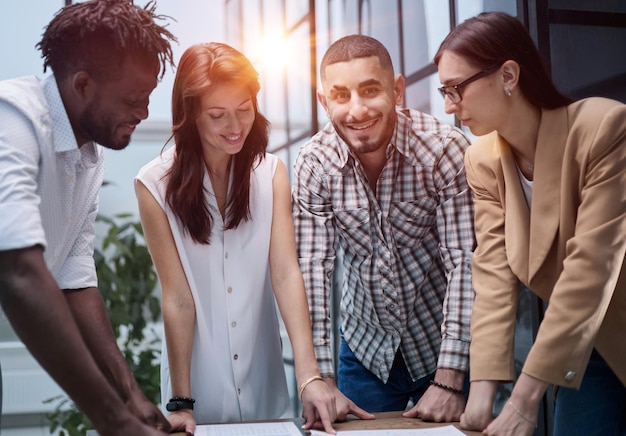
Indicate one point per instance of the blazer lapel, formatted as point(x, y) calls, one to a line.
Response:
point(517, 216)
point(546, 201)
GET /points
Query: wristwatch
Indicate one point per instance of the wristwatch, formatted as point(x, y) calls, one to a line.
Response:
point(178, 403)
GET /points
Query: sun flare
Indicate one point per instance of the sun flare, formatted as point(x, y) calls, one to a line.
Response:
point(272, 52)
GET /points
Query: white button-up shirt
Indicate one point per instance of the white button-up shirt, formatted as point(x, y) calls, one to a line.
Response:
point(48, 186)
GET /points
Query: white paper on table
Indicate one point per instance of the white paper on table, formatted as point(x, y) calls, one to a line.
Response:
point(286, 428)
point(448, 430)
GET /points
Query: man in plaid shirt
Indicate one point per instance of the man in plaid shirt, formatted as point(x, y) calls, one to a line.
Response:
point(384, 190)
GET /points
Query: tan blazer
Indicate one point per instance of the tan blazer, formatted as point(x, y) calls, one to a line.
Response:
point(568, 248)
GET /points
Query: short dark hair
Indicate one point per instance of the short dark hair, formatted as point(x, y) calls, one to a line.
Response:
point(98, 35)
point(353, 47)
point(492, 38)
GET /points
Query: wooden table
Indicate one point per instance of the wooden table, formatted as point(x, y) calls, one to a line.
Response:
point(384, 420)
point(392, 421)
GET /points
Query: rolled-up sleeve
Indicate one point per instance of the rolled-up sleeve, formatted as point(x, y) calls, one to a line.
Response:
point(20, 219)
point(315, 238)
point(455, 225)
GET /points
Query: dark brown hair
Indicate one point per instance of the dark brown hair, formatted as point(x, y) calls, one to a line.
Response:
point(97, 35)
point(353, 47)
point(200, 69)
point(492, 38)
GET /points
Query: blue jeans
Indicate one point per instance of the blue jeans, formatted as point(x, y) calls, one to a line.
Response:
point(598, 408)
point(369, 392)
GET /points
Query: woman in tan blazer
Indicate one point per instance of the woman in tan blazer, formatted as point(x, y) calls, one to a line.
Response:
point(549, 181)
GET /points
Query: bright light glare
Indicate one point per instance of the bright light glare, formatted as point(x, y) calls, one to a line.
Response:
point(272, 52)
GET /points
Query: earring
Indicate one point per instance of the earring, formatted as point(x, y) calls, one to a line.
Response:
point(507, 91)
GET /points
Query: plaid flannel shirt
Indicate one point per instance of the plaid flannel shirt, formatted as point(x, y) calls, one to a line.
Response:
point(406, 248)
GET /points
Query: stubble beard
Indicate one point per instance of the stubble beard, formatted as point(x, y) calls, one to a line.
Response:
point(364, 143)
point(98, 128)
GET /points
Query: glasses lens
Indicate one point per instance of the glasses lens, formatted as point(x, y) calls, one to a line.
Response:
point(451, 92)
point(444, 92)
point(454, 95)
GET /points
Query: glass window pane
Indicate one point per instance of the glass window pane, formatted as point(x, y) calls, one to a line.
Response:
point(296, 10)
point(571, 43)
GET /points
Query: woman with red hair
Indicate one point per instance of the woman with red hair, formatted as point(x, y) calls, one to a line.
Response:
point(216, 213)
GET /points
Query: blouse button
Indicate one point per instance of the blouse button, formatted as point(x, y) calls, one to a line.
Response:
point(234, 324)
point(236, 356)
point(230, 290)
point(226, 255)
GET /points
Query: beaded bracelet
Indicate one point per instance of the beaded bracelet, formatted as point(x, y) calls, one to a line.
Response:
point(306, 383)
point(447, 388)
point(178, 403)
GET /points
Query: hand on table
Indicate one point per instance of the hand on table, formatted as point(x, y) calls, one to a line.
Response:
point(478, 412)
point(518, 416)
point(323, 404)
point(148, 413)
point(439, 404)
point(512, 422)
point(183, 420)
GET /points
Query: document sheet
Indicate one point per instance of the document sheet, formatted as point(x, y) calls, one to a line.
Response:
point(448, 430)
point(251, 429)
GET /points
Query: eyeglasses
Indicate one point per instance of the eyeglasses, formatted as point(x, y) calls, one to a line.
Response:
point(454, 91)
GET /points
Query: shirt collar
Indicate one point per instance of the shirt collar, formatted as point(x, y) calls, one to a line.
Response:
point(401, 139)
point(64, 138)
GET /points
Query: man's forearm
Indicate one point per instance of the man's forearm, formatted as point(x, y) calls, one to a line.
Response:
point(41, 318)
point(90, 314)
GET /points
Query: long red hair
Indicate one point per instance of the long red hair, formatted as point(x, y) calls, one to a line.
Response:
point(202, 67)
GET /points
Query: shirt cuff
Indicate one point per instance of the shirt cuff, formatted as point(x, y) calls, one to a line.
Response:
point(324, 360)
point(454, 354)
point(77, 272)
point(21, 226)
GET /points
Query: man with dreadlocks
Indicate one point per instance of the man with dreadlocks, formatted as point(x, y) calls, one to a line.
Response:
point(106, 57)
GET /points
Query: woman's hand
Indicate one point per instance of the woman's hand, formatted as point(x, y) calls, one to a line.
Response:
point(519, 415)
point(479, 409)
point(323, 403)
point(512, 421)
point(319, 406)
point(183, 420)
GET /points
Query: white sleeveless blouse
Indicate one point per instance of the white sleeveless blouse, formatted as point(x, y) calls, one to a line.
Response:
point(237, 371)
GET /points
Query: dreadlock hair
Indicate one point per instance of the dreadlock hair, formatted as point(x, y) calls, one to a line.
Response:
point(201, 68)
point(98, 35)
